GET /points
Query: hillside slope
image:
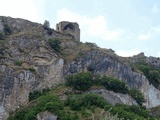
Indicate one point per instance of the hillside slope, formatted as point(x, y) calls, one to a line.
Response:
point(29, 62)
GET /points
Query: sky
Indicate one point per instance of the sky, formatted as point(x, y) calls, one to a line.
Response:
point(128, 27)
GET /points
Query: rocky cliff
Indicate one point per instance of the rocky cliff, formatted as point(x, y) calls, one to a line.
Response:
point(28, 63)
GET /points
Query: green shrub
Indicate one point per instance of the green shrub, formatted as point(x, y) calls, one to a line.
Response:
point(114, 85)
point(53, 106)
point(18, 62)
point(93, 99)
point(154, 77)
point(49, 31)
point(137, 95)
point(76, 105)
point(31, 115)
point(31, 69)
point(2, 41)
point(7, 30)
point(1, 36)
point(82, 81)
point(75, 102)
point(46, 26)
point(130, 112)
point(55, 44)
point(151, 73)
point(36, 94)
point(45, 102)
point(87, 101)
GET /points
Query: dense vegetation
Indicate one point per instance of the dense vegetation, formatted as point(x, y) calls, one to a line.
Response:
point(81, 106)
point(34, 95)
point(83, 81)
point(78, 106)
point(137, 95)
point(152, 74)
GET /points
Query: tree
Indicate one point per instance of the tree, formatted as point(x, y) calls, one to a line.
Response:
point(46, 24)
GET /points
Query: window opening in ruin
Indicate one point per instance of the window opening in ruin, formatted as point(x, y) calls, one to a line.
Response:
point(71, 26)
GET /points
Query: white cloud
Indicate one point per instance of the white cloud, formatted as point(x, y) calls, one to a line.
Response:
point(152, 33)
point(155, 9)
point(127, 53)
point(27, 9)
point(143, 37)
point(94, 27)
point(156, 29)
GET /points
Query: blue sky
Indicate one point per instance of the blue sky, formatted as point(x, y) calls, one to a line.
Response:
point(126, 26)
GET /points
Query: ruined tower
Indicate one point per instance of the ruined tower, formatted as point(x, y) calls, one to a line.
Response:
point(69, 28)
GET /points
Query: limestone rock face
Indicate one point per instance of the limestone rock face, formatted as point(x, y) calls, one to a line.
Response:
point(40, 68)
point(46, 116)
point(28, 63)
point(114, 98)
point(112, 65)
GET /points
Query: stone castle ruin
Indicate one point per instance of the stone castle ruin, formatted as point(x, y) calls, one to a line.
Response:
point(69, 28)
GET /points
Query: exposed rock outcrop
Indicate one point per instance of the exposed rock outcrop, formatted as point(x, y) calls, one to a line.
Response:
point(114, 98)
point(46, 116)
point(112, 65)
point(40, 67)
point(28, 63)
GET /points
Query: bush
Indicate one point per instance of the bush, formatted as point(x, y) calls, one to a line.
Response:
point(31, 115)
point(53, 106)
point(1, 51)
point(45, 102)
point(154, 77)
point(130, 112)
point(1, 36)
point(55, 44)
point(49, 31)
point(114, 85)
point(151, 73)
point(34, 95)
point(87, 101)
point(7, 30)
point(82, 81)
point(137, 95)
point(18, 62)
point(31, 69)
point(46, 26)
point(93, 99)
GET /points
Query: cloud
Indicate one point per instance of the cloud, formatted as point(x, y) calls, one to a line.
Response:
point(152, 33)
point(155, 9)
point(156, 29)
point(27, 9)
point(92, 26)
point(127, 53)
point(143, 37)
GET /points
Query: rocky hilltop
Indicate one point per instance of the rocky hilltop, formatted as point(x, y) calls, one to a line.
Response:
point(28, 62)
